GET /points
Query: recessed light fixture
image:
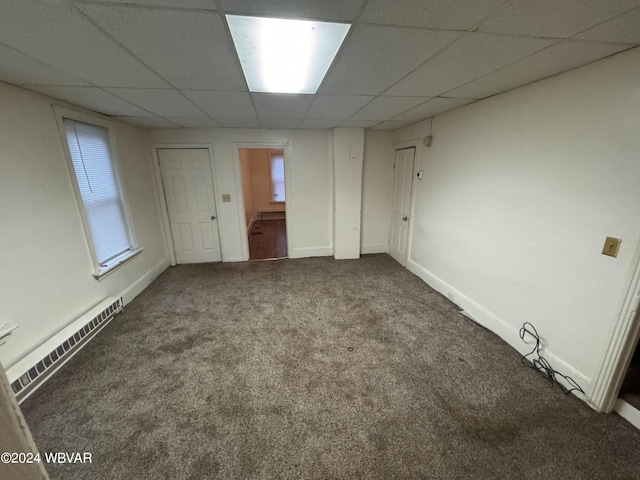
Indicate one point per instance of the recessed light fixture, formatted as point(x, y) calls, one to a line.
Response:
point(285, 56)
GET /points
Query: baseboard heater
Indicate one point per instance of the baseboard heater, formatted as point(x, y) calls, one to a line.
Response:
point(271, 215)
point(33, 370)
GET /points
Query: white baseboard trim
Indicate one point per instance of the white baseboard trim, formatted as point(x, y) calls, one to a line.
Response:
point(506, 331)
point(628, 412)
point(136, 288)
point(374, 248)
point(311, 252)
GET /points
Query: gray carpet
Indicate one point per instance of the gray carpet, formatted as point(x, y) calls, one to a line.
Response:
point(314, 369)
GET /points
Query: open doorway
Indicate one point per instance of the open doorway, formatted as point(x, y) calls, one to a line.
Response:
point(630, 390)
point(628, 402)
point(263, 188)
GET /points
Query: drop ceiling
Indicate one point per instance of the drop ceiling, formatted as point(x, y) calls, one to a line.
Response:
point(171, 63)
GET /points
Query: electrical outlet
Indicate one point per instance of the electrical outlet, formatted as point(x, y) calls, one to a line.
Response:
point(611, 246)
point(226, 197)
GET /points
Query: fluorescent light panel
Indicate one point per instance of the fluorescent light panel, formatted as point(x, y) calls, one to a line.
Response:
point(285, 56)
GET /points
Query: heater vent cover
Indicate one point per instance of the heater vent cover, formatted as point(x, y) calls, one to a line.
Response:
point(31, 372)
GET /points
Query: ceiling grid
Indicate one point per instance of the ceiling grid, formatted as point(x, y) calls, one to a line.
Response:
point(172, 63)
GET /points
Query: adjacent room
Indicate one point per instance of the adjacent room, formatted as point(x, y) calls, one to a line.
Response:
point(447, 194)
point(264, 195)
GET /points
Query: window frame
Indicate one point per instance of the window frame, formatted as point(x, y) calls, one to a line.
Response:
point(61, 114)
point(279, 153)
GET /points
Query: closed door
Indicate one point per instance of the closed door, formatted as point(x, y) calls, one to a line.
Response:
point(188, 188)
point(400, 208)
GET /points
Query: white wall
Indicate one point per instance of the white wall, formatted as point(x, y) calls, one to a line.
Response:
point(46, 277)
point(377, 173)
point(308, 182)
point(348, 148)
point(520, 191)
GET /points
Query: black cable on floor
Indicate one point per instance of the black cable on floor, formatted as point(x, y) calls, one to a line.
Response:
point(542, 365)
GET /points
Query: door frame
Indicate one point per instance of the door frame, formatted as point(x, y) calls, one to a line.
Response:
point(163, 208)
point(624, 338)
point(402, 146)
point(285, 147)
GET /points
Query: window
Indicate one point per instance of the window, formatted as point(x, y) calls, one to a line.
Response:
point(105, 216)
point(277, 177)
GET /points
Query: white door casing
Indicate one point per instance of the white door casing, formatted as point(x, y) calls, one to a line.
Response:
point(188, 187)
point(401, 204)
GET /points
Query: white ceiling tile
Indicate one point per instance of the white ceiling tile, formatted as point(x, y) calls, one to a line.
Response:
point(333, 10)
point(52, 48)
point(453, 14)
point(329, 107)
point(375, 57)
point(239, 122)
point(391, 125)
point(17, 68)
point(473, 55)
point(281, 123)
point(624, 28)
point(223, 104)
point(197, 4)
point(277, 105)
point(320, 124)
point(191, 50)
point(553, 18)
point(194, 122)
point(435, 106)
point(162, 102)
point(58, 35)
point(149, 122)
point(359, 123)
point(550, 61)
point(384, 108)
point(92, 98)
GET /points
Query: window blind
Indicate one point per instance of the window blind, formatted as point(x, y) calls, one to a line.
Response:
point(93, 164)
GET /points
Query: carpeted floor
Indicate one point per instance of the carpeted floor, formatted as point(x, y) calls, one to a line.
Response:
point(314, 369)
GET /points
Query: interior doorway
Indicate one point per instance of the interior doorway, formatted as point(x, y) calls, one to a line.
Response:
point(628, 402)
point(265, 202)
point(401, 203)
point(630, 390)
point(187, 181)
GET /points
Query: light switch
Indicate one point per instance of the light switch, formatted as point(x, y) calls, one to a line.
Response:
point(226, 197)
point(611, 246)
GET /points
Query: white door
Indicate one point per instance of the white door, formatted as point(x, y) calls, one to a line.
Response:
point(188, 188)
point(400, 208)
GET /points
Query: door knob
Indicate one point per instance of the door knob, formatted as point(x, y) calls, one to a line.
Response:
point(213, 217)
point(405, 218)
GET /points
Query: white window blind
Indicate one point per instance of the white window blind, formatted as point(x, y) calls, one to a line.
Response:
point(93, 164)
point(277, 177)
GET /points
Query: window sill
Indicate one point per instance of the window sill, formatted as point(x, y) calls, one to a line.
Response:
point(115, 263)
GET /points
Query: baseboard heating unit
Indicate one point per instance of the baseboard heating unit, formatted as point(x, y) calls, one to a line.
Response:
point(272, 215)
point(33, 370)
